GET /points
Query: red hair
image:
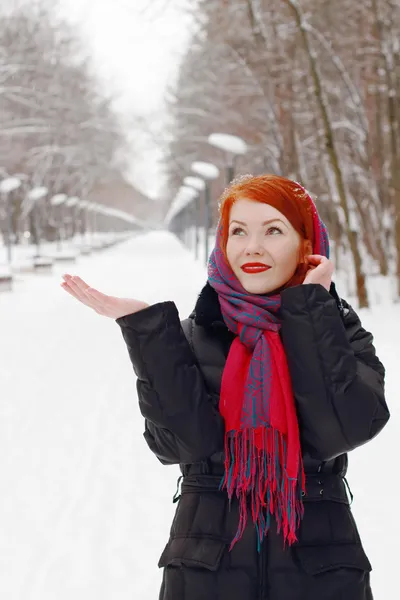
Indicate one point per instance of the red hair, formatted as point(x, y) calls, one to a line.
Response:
point(285, 195)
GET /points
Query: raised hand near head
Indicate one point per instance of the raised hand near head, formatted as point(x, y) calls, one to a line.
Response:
point(320, 270)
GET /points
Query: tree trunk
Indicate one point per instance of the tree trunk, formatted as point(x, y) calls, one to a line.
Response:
point(333, 157)
point(393, 133)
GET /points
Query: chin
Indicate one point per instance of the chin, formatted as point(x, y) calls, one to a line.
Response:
point(261, 288)
point(257, 288)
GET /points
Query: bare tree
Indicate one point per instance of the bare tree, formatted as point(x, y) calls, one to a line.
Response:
point(56, 126)
point(316, 94)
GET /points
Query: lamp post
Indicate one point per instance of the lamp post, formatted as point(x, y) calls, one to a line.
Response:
point(92, 221)
point(84, 207)
point(72, 202)
point(57, 201)
point(189, 203)
point(33, 197)
point(175, 214)
point(208, 172)
point(7, 186)
point(233, 146)
point(198, 185)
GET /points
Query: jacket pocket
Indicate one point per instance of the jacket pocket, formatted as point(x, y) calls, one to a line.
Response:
point(327, 523)
point(192, 552)
point(320, 559)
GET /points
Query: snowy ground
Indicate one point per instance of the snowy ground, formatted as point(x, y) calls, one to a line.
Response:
point(85, 508)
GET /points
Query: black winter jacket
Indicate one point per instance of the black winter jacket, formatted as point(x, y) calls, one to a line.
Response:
point(338, 385)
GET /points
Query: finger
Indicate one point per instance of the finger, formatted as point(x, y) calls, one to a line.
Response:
point(326, 265)
point(76, 282)
point(79, 291)
point(69, 279)
point(72, 292)
point(80, 295)
point(82, 289)
point(82, 285)
point(108, 304)
point(316, 258)
point(98, 296)
point(84, 299)
point(98, 300)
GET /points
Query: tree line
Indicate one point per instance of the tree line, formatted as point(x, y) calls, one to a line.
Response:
point(313, 87)
point(58, 129)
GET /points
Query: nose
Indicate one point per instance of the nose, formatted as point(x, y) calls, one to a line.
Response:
point(254, 246)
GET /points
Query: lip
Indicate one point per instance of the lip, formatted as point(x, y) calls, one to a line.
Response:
point(255, 267)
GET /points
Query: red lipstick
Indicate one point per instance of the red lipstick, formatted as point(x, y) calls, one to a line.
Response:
point(255, 267)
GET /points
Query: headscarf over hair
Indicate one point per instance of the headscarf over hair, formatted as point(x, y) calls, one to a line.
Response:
point(262, 444)
point(287, 196)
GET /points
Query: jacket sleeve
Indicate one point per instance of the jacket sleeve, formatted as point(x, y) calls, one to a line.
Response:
point(182, 424)
point(337, 379)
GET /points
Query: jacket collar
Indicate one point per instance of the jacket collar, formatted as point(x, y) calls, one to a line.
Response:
point(207, 311)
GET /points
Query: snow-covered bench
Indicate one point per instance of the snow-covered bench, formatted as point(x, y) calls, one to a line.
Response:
point(6, 279)
point(42, 264)
point(65, 257)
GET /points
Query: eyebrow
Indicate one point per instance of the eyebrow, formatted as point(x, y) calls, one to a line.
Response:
point(264, 223)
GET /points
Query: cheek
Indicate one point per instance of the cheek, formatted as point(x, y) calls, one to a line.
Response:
point(286, 254)
point(231, 252)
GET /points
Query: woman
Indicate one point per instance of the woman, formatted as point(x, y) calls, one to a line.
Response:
point(259, 396)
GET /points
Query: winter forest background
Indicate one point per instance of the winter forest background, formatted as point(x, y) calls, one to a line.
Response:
point(105, 108)
point(313, 88)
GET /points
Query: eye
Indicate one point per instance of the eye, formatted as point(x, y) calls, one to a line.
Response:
point(237, 231)
point(274, 230)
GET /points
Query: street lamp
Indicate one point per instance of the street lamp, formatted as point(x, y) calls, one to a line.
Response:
point(176, 215)
point(208, 172)
point(233, 145)
point(72, 202)
point(33, 197)
point(198, 185)
point(182, 198)
point(91, 208)
point(195, 182)
point(84, 207)
point(190, 195)
point(57, 201)
point(7, 186)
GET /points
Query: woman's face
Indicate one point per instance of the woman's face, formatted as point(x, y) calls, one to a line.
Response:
point(263, 249)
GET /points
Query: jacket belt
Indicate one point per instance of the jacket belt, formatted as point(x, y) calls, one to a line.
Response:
point(319, 487)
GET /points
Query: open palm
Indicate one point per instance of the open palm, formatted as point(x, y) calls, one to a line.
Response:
point(108, 306)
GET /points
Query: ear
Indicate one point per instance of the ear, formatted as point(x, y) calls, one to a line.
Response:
point(307, 248)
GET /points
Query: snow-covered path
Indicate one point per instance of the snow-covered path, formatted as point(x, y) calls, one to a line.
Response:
point(85, 508)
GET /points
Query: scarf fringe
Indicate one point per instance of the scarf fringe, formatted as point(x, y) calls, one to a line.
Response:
point(255, 462)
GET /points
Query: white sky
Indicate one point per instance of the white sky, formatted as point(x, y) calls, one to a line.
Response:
point(137, 46)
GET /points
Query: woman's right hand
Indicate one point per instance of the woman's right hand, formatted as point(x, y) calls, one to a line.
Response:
point(108, 306)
